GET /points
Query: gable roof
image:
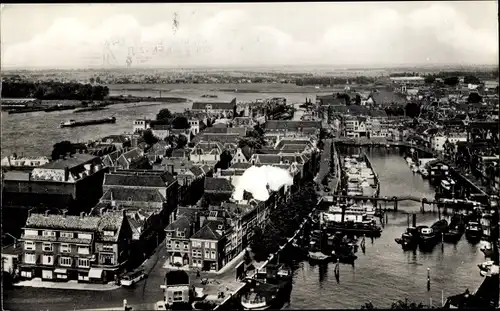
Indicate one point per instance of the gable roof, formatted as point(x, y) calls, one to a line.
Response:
point(206, 233)
point(133, 195)
point(77, 159)
point(291, 125)
point(129, 179)
point(219, 185)
point(68, 222)
point(182, 224)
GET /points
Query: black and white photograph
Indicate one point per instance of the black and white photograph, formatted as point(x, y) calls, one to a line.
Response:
point(250, 156)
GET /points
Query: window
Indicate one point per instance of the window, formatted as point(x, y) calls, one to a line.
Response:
point(47, 247)
point(30, 258)
point(178, 296)
point(65, 261)
point(196, 244)
point(169, 233)
point(84, 250)
point(207, 244)
point(47, 260)
point(107, 248)
point(85, 236)
point(31, 232)
point(109, 233)
point(83, 262)
point(212, 255)
point(177, 244)
point(107, 259)
point(49, 233)
point(207, 254)
point(29, 245)
point(186, 245)
point(212, 245)
point(67, 235)
point(65, 248)
point(169, 243)
point(180, 234)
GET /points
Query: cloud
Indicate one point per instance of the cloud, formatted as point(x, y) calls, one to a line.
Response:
point(437, 33)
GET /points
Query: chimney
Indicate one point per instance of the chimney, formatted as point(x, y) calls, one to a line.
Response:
point(64, 213)
point(124, 212)
point(82, 215)
point(66, 173)
point(101, 211)
point(192, 229)
point(414, 220)
point(47, 213)
point(196, 222)
point(172, 169)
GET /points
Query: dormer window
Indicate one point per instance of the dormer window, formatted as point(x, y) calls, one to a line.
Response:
point(213, 214)
point(109, 233)
point(220, 227)
point(180, 234)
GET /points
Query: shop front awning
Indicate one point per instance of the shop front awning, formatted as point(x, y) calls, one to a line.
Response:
point(95, 273)
point(60, 271)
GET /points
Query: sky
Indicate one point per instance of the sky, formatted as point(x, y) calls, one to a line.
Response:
point(249, 34)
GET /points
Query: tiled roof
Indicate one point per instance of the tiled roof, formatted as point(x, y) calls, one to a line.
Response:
point(268, 151)
point(197, 171)
point(72, 161)
point(206, 233)
point(223, 138)
point(241, 166)
point(16, 175)
point(115, 138)
point(134, 195)
point(182, 224)
point(268, 158)
point(122, 178)
point(68, 222)
point(291, 125)
point(180, 153)
point(188, 212)
point(220, 185)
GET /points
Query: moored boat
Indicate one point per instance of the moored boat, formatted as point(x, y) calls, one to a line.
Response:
point(409, 239)
point(473, 231)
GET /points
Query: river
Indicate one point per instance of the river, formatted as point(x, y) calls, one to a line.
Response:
point(35, 133)
point(385, 273)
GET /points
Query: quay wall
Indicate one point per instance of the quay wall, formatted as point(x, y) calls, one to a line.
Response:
point(377, 180)
point(426, 152)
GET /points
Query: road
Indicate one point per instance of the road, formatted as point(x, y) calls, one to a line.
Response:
point(143, 296)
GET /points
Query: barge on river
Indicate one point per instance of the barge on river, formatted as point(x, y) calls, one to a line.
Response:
point(73, 123)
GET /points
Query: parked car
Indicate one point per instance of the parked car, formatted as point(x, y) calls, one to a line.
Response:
point(133, 277)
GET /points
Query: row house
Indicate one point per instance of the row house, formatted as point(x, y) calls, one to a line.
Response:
point(119, 141)
point(132, 159)
point(206, 153)
point(152, 189)
point(292, 128)
point(226, 109)
point(244, 122)
point(83, 248)
point(192, 183)
point(438, 141)
point(158, 151)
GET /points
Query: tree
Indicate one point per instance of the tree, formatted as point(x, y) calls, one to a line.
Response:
point(149, 137)
point(358, 99)
point(181, 141)
point(412, 110)
point(180, 123)
point(429, 79)
point(164, 114)
point(225, 160)
point(91, 80)
point(451, 81)
point(474, 98)
point(61, 149)
point(470, 79)
point(98, 80)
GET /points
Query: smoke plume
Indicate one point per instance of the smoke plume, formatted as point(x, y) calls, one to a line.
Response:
point(257, 181)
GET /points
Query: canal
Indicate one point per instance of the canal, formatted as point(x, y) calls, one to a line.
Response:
point(385, 273)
